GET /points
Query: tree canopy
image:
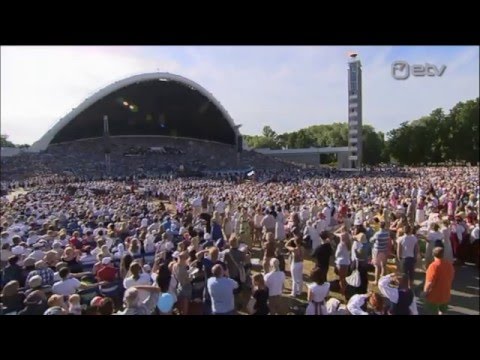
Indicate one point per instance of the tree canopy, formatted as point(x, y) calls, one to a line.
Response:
point(435, 138)
point(4, 142)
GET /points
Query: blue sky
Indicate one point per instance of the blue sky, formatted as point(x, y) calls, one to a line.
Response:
point(286, 87)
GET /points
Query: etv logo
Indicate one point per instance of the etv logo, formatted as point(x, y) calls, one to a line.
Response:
point(401, 70)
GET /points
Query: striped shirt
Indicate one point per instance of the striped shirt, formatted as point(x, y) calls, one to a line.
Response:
point(380, 240)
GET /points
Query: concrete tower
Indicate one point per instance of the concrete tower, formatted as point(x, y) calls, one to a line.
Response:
point(355, 112)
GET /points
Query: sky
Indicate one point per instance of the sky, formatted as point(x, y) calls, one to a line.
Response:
point(285, 87)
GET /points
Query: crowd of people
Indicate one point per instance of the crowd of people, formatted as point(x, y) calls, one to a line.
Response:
point(127, 158)
point(191, 246)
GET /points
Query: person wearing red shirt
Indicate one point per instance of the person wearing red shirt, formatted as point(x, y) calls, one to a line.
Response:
point(75, 241)
point(107, 271)
point(438, 283)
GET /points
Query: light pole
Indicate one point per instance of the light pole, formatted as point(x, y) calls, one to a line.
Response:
point(107, 149)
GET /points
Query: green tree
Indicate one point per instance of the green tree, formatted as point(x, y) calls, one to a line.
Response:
point(4, 142)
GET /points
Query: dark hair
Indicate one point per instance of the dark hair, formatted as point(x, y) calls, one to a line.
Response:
point(126, 261)
point(438, 252)
point(106, 307)
point(136, 270)
point(64, 272)
point(163, 277)
point(361, 229)
point(12, 260)
point(324, 235)
point(318, 276)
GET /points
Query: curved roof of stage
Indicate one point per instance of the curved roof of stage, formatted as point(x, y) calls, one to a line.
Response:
point(146, 104)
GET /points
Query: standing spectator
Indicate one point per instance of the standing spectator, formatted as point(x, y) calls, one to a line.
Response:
point(275, 281)
point(269, 248)
point(317, 292)
point(380, 242)
point(407, 253)
point(261, 295)
point(221, 291)
point(137, 277)
point(438, 283)
point(235, 261)
point(296, 265)
point(434, 239)
point(342, 257)
point(323, 253)
point(360, 256)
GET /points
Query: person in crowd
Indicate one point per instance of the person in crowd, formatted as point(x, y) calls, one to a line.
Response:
point(438, 283)
point(261, 295)
point(220, 289)
point(68, 285)
point(13, 271)
point(11, 298)
point(360, 253)
point(434, 239)
point(343, 257)
point(137, 277)
point(380, 240)
point(269, 248)
point(402, 298)
point(235, 259)
point(275, 282)
point(407, 254)
point(295, 248)
point(323, 253)
point(366, 304)
point(180, 271)
point(317, 292)
point(34, 304)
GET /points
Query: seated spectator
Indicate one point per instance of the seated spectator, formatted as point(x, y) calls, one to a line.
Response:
point(71, 258)
point(51, 259)
point(5, 254)
point(36, 283)
point(106, 272)
point(13, 271)
point(87, 257)
point(35, 304)
point(74, 307)
point(45, 273)
point(11, 298)
point(68, 285)
point(135, 306)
